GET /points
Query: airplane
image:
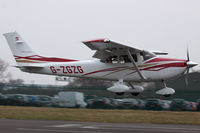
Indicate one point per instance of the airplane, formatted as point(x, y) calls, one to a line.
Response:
point(114, 61)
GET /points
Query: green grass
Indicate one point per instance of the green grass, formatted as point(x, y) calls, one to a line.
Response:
point(94, 115)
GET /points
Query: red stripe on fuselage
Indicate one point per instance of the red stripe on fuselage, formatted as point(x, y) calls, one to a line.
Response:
point(163, 59)
point(104, 70)
point(177, 64)
point(162, 66)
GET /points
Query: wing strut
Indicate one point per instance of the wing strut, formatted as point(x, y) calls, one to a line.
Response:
point(134, 64)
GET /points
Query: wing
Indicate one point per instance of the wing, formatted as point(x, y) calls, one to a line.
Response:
point(106, 48)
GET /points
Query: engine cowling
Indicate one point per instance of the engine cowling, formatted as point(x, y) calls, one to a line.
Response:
point(166, 92)
point(120, 88)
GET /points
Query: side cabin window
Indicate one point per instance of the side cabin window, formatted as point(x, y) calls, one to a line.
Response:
point(135, 58)
point(120, 59)
point(111, 59)
point(125, 58)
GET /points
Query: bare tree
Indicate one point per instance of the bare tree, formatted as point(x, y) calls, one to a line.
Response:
point(3, 74)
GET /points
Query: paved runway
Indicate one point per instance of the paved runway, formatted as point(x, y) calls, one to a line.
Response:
point(36, 126)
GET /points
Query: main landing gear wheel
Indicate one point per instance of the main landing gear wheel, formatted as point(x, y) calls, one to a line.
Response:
point(120, 93)
point(135, 94)
point(167, 95)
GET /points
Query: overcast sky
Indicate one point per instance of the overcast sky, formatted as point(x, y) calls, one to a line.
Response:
point(57, 27)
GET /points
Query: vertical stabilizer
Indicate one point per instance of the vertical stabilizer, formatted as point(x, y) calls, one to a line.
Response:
point(19, 48)
point(17, 45)
point(23, 53)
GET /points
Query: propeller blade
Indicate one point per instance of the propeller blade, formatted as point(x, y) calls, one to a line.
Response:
point(186, 76)
point(190, 64)
point(188, 56)
point(188, 68)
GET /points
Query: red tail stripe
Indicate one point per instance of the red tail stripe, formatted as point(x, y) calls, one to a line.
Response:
point(48, 59)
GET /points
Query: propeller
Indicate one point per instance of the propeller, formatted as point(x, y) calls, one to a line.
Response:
point(187, 69)
point(189, 64)
point(186, 76)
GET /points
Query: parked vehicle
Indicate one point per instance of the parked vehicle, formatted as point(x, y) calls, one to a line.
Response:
point(166, 104)
point(141, 104)
point(32, 98)
point(16, 100)
point(114, 102)
point(180, 105)
point(129, 103)
point(120, 103)
point(154, 104)
point(18, 97)
point(193, 106)
point(43, 100)
point(71, 99)
point(100, 103)
point(3, 99)
point(198, 104)
point(90, 97)
point(2, 96)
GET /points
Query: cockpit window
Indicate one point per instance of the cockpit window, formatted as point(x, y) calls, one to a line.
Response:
point(111, 59)
point(125, 58)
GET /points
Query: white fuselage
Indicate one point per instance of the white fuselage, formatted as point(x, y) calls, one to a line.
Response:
point(153, 69)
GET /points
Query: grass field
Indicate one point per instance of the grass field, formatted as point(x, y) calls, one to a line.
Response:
point(97, 115)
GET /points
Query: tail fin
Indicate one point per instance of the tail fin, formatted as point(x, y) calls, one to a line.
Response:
point(24, 55)
point(19, 48)
point(17, 45)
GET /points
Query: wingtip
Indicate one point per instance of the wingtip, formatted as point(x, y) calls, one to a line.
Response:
point(105, 40)
point(14, 33)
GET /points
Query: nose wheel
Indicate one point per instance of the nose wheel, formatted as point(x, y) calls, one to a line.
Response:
point(166, 91)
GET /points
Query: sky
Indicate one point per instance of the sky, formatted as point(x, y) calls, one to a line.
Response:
point(57, 27)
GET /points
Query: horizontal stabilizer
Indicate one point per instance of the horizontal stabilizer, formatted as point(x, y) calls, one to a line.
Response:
point(29, 66)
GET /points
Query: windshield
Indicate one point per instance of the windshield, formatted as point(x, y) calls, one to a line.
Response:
point(146, 55)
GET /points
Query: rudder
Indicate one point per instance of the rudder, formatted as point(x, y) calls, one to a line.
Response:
point(23, 53)
point(19, 47)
